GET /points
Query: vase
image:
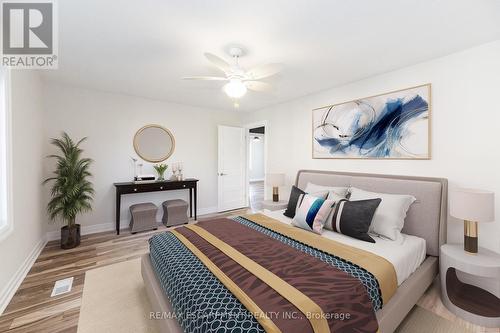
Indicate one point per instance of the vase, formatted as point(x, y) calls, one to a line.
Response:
point(161, 176)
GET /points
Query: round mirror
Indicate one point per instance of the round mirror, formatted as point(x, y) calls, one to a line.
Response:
point(154, 143)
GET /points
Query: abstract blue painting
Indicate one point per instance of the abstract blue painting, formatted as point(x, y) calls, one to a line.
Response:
point(394, 125)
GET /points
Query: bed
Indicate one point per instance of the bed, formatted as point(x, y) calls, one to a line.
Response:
point(414, 257)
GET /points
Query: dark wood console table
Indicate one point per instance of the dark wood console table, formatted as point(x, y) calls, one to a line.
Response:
point(167, 185)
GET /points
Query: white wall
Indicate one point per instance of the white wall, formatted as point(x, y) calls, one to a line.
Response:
point(19, 250)
point(256, 162)
point(110, 122)
point(465, 124)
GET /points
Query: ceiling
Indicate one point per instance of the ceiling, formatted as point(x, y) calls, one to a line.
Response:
point(143, 48)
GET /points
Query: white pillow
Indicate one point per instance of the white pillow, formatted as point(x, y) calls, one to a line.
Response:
point(313, 188)
point(390, 215)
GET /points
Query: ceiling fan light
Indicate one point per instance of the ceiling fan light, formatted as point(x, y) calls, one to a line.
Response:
point(235, 88)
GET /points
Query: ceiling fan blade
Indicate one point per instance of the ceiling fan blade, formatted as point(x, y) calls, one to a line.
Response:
point(259, 86)
point(205, 78)
point(264, 71)
point(218, 62)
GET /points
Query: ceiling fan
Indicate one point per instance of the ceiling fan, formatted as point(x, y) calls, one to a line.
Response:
point(239, 80)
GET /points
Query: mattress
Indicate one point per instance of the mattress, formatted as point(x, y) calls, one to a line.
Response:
point(406, 254)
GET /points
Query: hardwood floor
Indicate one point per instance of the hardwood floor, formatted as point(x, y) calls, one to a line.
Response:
point(256, 190)
point(33, 310)
point(431, 301)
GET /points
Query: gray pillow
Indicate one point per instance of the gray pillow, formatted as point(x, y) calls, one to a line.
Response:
point(353, 218)
point(292, 201)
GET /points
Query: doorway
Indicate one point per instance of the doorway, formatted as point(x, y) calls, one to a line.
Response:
point(256, 166)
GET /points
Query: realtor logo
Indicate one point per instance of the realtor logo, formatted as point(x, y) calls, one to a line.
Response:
point(29, 38)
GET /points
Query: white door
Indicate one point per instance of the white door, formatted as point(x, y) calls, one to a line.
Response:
point(232, 168)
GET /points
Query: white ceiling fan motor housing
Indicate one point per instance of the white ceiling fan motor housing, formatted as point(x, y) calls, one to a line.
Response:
point(236, 52)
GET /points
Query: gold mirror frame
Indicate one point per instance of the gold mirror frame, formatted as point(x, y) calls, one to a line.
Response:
point(136, 147)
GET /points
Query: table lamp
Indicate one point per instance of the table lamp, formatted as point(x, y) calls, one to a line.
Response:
point(275, 180)
point(472, 206)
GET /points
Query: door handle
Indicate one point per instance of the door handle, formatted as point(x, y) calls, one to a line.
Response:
point(222, 174)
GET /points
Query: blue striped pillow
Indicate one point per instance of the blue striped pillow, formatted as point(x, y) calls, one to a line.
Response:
point(312, 212)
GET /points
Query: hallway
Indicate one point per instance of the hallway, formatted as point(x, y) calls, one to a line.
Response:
point(256, 195)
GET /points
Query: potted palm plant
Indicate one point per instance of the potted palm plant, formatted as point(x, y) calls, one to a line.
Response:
point(72, 192)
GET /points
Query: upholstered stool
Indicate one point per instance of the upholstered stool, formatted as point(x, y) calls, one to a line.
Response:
point(143, 217)
point(175, 212)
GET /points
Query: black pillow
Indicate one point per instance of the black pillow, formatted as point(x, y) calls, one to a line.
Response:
point(292, 202)
point(353, 218)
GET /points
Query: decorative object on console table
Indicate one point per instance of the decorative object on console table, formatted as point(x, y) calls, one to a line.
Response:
point(176, 171)
point(180, 167)
point(134, 160)
point(472, 206)
point(470, 285)
point(142, 179)
point(275, 180)
point(167, 185)
point(274, 205)
point(160, 170)
point(72, 192)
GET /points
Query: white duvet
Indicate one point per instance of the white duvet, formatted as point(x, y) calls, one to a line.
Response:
point(405, 254)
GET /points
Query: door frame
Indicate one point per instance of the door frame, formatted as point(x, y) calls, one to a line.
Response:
point(247, 127)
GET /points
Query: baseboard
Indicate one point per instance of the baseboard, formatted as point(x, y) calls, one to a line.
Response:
point(207, 210)
point(110, 226)
point(86, 230)
point(10, 289)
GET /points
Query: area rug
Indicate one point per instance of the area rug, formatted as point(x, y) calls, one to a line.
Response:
point(114, 301)
point(420, 320)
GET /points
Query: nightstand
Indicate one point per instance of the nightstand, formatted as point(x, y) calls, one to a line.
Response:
point(470, 284)
point(274, 205)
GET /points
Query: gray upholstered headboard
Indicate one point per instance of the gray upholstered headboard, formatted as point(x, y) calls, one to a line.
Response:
point(427, 215)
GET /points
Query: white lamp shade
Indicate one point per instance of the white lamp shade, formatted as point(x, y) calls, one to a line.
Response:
point(472, 205)
point(275, 179)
